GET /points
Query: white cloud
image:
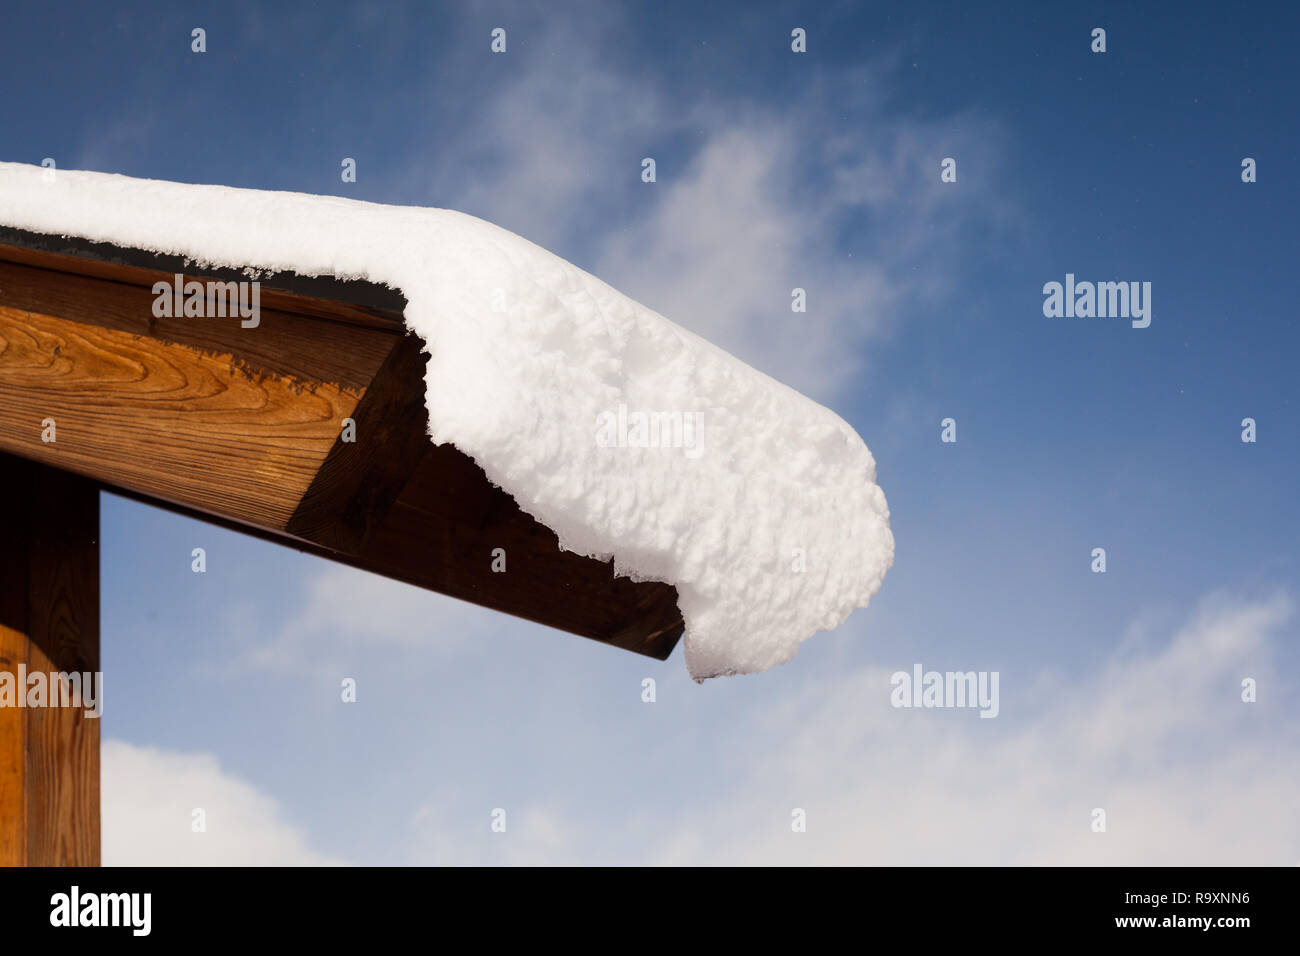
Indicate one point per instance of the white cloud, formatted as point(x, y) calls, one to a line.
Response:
point(1157, 736)
point(832, 194)
point(148, 799)
point(1187, 773)
point(727, 242)
point(785, 198)
point(533, 836)
point(346, 615)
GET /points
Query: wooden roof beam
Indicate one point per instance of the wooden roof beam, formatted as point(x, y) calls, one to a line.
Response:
point(245, 426)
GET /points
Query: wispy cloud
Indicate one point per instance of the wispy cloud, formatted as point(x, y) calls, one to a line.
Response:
point(1159, 738)
point(1186, 772)
point(531, 836)
point(345, 616)
point(833, 194)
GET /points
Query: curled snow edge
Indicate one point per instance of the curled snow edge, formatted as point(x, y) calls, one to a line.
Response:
point(581, 403)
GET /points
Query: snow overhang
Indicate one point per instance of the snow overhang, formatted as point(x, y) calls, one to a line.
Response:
point(541, 444)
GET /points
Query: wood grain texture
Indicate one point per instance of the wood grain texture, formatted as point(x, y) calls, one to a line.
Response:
point(168, 420)
point(13, 721)
point(285, 344)
point(49, 621)
point(242, 426)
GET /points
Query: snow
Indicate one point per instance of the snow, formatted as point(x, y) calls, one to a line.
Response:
point(768, 520)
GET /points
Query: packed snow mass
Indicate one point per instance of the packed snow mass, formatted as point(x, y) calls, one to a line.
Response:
point(518, 389)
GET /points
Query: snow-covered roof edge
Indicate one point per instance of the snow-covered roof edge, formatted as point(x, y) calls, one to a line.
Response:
point(627, 435)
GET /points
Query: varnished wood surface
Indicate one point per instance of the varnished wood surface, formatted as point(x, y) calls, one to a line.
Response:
point(243, 426)
point(49, 622)
point(173, 421)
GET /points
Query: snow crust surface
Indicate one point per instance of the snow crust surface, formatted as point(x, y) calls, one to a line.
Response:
point(547, 377)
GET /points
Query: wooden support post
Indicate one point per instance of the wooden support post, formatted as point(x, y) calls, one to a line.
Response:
point(49, 622)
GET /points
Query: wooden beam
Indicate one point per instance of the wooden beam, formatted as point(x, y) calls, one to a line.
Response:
point(354, 487)
point(200, 412)
point(245, 426)
point(170, 420)
point(49, 623)
point(441, 533)
point(428, 515)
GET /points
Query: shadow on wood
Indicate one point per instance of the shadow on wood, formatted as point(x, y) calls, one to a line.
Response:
point(244, 426)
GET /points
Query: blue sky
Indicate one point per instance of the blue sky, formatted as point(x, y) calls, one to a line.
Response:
point(775, 170)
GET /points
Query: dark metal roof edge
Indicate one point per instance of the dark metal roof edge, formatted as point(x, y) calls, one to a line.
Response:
point(358, 292)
